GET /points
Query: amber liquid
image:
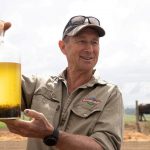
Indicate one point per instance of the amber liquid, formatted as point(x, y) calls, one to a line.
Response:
point(10, 90)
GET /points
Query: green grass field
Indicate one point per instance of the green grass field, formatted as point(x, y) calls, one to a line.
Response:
point(132, 118)
point(2, 125)
point(127, 119)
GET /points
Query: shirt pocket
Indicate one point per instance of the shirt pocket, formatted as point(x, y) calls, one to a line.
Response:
point(44, 101)
point(85, 110)
point(83, 118)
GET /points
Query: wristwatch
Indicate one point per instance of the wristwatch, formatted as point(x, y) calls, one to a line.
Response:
point(52, 139)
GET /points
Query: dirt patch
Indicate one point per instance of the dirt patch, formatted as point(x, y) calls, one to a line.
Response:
point(136, 145)
point(132, 140)
point(135, 136)
point(5, 135)
point(130, 134)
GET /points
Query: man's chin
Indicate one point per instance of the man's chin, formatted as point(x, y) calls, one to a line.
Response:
point(86, 68)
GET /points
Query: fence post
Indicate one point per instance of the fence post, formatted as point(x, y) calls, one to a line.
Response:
point(137, 117)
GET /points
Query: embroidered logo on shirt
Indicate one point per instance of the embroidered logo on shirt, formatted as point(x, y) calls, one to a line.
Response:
point(90, 101)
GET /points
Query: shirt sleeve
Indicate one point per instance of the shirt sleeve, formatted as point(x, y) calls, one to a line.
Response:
point(108, 130)
point(28, 88)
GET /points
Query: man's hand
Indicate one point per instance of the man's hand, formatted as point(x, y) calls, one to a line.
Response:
point(4, 26)
point(38, 127)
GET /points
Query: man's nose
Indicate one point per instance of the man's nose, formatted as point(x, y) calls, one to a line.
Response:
point(89, 46)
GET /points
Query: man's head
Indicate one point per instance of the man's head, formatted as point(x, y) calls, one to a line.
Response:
point(78, 23)
point(80, 42)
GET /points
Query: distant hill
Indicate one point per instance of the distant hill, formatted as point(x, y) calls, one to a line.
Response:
point(130, 111)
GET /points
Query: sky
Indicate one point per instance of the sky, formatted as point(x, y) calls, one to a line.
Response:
point(37, 26)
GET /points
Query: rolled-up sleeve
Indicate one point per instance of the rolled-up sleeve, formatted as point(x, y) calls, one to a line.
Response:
point(108, 130)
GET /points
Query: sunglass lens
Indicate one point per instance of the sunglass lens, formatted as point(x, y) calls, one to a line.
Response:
point(78, 20)
point(94, 21)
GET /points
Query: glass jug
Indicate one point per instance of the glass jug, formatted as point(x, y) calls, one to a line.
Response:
point(10, 78)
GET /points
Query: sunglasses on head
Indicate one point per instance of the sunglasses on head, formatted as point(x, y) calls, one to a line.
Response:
point(79, 20)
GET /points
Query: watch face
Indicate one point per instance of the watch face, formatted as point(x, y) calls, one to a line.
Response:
point(51, 141)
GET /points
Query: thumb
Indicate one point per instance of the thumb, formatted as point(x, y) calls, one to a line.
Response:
point(7, 25)
point(38, 117)
point(33, 114)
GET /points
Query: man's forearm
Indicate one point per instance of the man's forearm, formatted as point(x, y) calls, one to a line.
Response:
point(75, 142)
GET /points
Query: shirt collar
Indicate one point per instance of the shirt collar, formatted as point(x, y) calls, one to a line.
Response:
point(94, 80)
point(62, 75)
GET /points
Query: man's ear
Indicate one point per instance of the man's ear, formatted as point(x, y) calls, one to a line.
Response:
point(62, 46)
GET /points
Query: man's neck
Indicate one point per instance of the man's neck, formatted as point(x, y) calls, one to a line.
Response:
point(77, 78)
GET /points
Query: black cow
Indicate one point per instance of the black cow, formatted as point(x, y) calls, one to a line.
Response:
point(143, 109)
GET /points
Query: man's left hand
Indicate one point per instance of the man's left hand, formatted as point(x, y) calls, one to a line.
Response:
point(38, 127)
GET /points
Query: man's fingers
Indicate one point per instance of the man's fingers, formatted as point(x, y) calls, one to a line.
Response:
point(33, 114)
point(37, 117)
point(4, 25)
point(7, 25)
point(17, 123)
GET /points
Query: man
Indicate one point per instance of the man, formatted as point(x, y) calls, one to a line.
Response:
point(75, 110)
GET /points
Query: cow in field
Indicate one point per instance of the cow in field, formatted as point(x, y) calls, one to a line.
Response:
point(143, 109)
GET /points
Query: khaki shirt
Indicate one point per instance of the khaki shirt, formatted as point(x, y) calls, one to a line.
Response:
point(95, 109)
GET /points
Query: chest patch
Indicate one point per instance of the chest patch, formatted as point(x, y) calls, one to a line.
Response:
point(90, 101)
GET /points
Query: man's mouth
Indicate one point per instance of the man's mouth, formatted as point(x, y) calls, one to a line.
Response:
point(86, 58)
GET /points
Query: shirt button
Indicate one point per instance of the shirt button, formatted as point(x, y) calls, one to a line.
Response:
point(62, 122)
point(58, 107)
point(85, 115)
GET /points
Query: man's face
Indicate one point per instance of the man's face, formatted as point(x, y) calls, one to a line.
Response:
point(82, 50)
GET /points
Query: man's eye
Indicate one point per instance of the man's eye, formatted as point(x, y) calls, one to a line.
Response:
point(94, 42)
point(82, 41)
